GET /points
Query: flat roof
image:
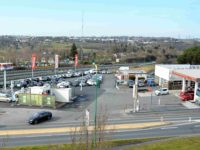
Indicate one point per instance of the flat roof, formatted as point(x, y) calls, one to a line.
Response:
point(133, 71)
point(179, 66)
point(189, 74)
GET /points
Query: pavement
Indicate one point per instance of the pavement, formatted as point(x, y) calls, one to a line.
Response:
point(190, 105)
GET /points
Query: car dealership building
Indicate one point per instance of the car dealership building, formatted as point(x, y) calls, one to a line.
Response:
point(182, 77)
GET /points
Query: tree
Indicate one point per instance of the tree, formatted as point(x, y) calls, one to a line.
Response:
point(73, 50)
point(191, 56)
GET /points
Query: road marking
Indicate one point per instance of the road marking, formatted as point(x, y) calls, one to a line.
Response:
point(197, 126)
point(167, 128)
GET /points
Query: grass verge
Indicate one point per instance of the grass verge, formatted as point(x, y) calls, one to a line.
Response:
point(187, 143)
point(108, 144)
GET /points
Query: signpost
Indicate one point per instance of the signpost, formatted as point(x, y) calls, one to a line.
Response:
point(56, 62)
point(95, 111)
point(135, 96)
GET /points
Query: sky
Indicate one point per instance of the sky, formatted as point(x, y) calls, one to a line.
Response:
point(154, 18)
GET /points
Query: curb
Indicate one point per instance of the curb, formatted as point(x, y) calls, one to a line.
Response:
point(77, 129)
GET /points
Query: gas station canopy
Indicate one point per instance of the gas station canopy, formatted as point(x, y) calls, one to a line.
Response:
point(188, 74)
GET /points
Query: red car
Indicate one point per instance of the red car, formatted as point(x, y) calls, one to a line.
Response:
point(188, 95)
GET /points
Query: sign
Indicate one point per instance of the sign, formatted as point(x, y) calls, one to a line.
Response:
point(6, 66)
point(76, 60)
point(33, 62)
point(56, 61)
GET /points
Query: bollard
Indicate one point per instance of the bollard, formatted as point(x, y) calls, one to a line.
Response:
point(159, 101)
point(161, 119)
point(190, 119)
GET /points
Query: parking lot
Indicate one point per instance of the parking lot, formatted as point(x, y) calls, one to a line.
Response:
point(111, 100)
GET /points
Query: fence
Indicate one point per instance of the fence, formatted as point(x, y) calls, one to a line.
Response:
point(37, 100)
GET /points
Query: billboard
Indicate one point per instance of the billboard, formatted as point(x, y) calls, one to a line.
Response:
point(6, 66)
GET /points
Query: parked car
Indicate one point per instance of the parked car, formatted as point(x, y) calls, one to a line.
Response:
point(91, 82)
point(109, 71)
point(5, 97)
point(162, 91)
point(77, 74)
point(64, 84)
point(40, 117)
point(186, 96)
point(68, 75)
point(141, 83)
point(131, 83)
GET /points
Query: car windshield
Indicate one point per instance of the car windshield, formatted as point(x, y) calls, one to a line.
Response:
point(36, 115)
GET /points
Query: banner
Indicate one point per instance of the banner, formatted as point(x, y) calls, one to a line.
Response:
point(76, 60)
point(33, 62)
point(56, 61)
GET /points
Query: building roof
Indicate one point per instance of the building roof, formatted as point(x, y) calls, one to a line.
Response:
point(179, 66)
point(188, 74)
point(132, 71)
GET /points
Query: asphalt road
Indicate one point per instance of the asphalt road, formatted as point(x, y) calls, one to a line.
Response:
point(184, 129)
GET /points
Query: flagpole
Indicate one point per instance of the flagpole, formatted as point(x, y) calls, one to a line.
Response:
point(32, 72)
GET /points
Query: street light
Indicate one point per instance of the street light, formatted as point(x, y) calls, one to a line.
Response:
point(95, 108)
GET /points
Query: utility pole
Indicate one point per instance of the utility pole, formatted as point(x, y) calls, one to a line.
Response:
point(135, 95)
point(95, 108)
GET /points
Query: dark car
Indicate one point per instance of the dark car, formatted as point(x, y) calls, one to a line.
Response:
point(40, 117)
point(131, 83)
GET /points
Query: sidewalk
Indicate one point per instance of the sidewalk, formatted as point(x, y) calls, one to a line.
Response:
point(190, 105)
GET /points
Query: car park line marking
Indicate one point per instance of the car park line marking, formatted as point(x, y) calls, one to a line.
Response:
point(72, 129)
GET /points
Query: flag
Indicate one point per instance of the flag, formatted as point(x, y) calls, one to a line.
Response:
point(56, 61)
point(76, 60)
point(33, 62)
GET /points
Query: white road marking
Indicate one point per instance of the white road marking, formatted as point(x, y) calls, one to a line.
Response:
point(197, 126)
point(166, 128)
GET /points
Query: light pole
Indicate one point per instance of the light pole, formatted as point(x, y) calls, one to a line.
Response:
point(95, 108)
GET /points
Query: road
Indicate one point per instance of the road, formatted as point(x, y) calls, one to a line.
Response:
point(184, 129)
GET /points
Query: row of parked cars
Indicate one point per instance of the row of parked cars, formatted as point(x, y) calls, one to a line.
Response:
point(142, 83)
point(81, 81)
point(83, 78)
point(57, 79)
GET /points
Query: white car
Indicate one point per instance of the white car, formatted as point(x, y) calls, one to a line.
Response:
point(68, 75)
point(5, 98)
point(91, 82)
point(162, 91)
point(63, 84)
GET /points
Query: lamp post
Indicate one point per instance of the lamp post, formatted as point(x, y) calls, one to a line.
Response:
point(95, 108)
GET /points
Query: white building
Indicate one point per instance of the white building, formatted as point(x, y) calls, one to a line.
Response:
point(178, 76)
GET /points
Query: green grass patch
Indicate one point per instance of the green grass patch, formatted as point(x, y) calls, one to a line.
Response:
point(147, 69)
point(190, 143)
point(107, 144)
